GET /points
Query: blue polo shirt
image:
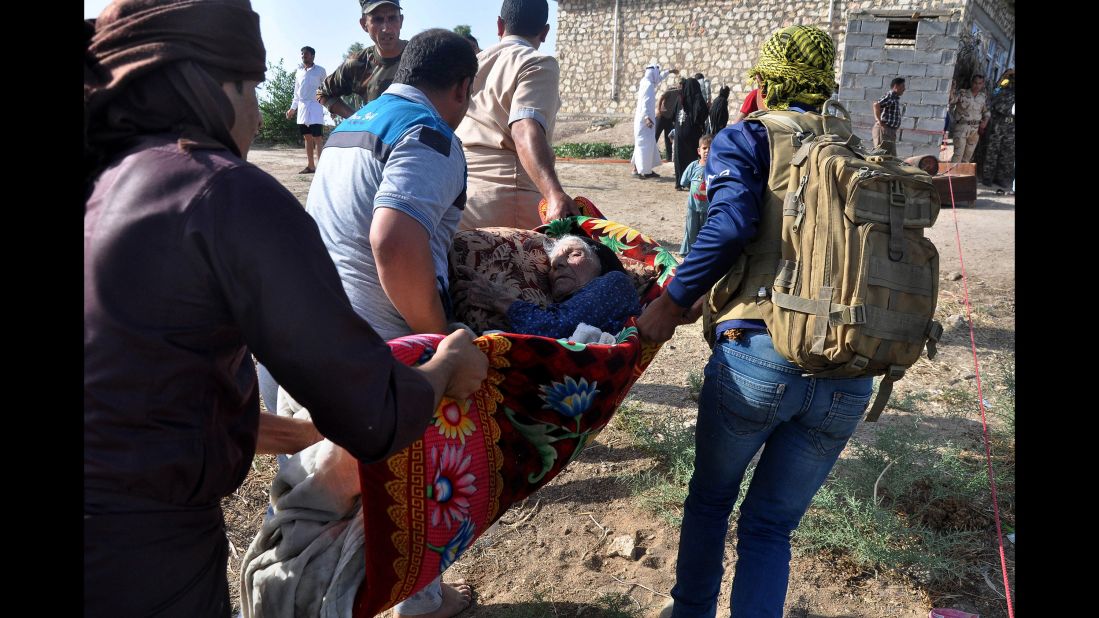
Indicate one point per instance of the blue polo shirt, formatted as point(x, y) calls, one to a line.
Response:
point(396, 152)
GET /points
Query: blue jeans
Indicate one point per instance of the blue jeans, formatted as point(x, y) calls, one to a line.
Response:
point(752, 397)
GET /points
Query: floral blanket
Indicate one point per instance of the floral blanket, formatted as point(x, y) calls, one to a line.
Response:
point(543, 402)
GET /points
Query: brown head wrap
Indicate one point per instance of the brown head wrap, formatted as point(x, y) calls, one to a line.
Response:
point(157, 65)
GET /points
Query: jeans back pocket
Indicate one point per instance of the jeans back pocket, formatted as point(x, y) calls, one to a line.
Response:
point(748, 404)
point(841, 421)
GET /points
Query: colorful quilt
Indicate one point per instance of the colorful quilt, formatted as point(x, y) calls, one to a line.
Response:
point(543, 402)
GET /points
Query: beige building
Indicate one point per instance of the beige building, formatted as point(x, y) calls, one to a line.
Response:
point(603, 45)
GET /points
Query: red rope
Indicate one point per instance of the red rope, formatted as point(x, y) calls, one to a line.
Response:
point(981, 404)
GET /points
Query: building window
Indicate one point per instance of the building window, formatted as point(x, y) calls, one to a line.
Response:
point(901, 34)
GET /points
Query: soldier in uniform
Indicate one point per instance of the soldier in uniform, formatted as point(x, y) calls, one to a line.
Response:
point(970, 116)
point(999, 162)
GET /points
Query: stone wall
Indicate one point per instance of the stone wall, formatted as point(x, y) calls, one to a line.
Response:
point(719, 38)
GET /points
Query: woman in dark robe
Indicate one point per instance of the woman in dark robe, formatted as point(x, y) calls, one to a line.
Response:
point(719, 111)
point(691, 114)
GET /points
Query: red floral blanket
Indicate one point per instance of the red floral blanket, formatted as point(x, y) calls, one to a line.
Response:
point(543, 402)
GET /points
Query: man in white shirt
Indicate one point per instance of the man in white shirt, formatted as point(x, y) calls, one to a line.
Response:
point(310, 113)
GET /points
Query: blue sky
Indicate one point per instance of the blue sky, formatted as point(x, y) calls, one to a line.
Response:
point(331, 26)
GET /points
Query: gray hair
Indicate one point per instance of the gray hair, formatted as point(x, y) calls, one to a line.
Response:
point(556, 246)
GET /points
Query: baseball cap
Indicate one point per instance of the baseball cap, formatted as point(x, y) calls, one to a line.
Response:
point(369, 6)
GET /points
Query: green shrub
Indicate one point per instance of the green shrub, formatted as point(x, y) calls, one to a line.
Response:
point(276, 97)
point(593, 150)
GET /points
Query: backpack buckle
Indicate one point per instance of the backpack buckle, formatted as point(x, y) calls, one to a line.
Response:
point(858, 362)
point(849, 314)
point(896, 372)
point(896, 194)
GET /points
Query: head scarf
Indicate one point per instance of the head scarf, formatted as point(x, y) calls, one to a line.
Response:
point(796, 66)
point(693, 104)
point(651, 75)
point(157, 65)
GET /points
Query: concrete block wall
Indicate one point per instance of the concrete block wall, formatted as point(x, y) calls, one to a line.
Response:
point(926, 67)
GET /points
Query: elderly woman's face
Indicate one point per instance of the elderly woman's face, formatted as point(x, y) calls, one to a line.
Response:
point(571, 268)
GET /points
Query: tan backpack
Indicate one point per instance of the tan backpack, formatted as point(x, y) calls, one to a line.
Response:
point(855, 289)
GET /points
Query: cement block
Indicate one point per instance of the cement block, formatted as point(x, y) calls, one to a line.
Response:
point(944, 42)
point(875, 26)
point(868, 53)
point(928, 57)
point(913, 70)
point(923, 83)
point(939, 70)
point(848, 80)
point(868, 81)
point(935, 98)
point(879, 40)
point(859, 40)
point(854, 26)
point(900, 55)
point(856, 66)
point(915, 110)
point(850, 94)
point(890, 69)
point(954, 27)
point(928, 26)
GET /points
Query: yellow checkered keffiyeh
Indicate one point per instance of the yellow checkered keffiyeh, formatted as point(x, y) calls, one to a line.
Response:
point(795, 66)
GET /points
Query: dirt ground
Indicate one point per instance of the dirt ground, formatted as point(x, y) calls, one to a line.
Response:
point(549, 557)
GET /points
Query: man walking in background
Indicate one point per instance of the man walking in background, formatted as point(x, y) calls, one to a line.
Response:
point(665, 117)
point(887, 117)
point(310, 114)
point(646, 155)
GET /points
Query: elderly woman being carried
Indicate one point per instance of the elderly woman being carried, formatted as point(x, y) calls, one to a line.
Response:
point(588, 285)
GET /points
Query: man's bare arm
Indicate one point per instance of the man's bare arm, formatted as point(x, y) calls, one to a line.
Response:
point(336, 106)
point(402, 252)
point(285, 435)
point(537, 159)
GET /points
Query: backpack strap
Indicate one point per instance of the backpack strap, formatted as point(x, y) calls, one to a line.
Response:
point(885, 388)
point(784, 121)
point(897, 202)
point(934, 333)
